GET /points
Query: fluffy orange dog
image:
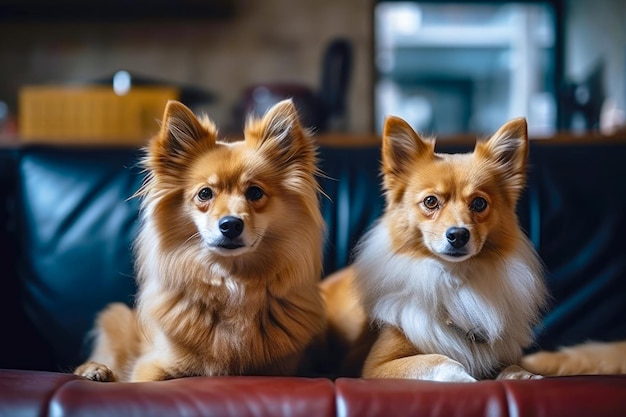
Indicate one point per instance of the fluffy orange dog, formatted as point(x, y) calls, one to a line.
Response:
point(449, 280)
point(228, 257)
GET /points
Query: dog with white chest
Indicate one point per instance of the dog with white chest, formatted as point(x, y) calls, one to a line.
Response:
point(446, 276)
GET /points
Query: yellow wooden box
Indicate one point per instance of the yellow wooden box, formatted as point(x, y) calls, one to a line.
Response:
point(91, 114)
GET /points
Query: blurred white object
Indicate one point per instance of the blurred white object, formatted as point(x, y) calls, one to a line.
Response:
point(121, 83)
point(612, 118)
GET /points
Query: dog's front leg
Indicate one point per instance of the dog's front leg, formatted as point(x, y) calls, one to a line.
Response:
point(393, 356)
point(115, 345)
point(150, 369)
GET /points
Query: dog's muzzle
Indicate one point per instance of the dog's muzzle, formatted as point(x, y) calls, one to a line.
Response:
point(231, 228)
point(457, 237)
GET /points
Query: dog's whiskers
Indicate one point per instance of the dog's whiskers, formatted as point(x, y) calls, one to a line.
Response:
point(193, 236)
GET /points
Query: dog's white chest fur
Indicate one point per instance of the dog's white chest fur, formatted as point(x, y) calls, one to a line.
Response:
point(478, 314)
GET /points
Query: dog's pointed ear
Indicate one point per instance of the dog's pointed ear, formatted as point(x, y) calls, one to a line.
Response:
point(181, 131)
point(280, 124)
point(181, 136)
point(279, 132)
point(508, 149)
point(401, 146)
point(281, 121)
point(168, 154)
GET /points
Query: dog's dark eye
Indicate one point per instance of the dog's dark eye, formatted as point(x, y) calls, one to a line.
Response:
point(478, 204)
point(254, 193)
point(205, 194)
point(431, 202)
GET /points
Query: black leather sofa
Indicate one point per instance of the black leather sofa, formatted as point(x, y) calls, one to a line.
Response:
point(67, 223)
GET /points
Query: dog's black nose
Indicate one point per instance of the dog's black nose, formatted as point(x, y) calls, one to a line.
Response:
point(457, 236)
point(231, 226)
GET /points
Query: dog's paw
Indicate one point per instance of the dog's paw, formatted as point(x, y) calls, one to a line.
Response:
point(95, 372)
point(546, 363)
point(517, 372)
point(450, 371)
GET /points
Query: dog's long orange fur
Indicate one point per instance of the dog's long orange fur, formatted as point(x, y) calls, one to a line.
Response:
point(448, 279)
point(228, 257)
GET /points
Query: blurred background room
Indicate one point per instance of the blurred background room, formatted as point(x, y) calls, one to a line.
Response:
point(447, 67)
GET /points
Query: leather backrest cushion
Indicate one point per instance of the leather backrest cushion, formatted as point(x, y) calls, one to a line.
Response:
point(8, 226)
point(78, 224)
point(577, 220)
point(9, 283)
point(352, 199)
